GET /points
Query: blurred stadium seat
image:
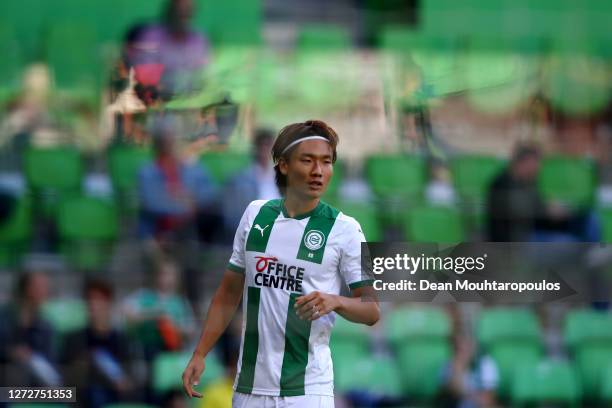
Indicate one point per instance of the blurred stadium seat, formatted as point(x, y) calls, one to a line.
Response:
point(367, 216)
point(420, 340)
point(606, 385)
point(588, 336)
point(412, 323)
point(87, 227)
point(546, 382)
point(570, 181)
point(397, 182)
point(52, 174)
point(349, 343)
point(73, 55)
point(434, 224)
point(323, 38)
point(391, 176)
point(231, 22)
point(511, 336)
point(12, 64)
point(472, 176)
point(124, 162)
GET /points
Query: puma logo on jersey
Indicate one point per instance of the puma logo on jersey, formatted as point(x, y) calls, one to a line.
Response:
point(258, 227)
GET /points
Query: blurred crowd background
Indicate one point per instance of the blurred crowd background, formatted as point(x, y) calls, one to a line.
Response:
point(134, 133)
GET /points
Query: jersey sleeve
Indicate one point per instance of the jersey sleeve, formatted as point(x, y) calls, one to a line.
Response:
point(350, 258)
point(236, 262)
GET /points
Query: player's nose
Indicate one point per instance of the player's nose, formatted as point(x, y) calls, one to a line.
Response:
point(317, 169)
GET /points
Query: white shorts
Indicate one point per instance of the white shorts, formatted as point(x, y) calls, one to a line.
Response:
point(240, 400)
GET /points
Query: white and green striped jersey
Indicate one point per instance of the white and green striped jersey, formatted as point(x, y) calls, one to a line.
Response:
point(283, 258)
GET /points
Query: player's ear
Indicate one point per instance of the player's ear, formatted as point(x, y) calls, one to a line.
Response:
point(283, 166)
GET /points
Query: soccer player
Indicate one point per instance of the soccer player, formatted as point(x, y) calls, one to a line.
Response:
point(289, 258)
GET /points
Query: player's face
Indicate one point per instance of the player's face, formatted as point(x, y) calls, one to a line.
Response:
point(309, 169)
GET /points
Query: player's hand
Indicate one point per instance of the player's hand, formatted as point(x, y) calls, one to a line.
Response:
point(315, 304)
point(192, 374)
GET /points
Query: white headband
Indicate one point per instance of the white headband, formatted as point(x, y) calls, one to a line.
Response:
point(300, 141)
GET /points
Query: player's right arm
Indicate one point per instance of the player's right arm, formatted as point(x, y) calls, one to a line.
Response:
point(220, 312)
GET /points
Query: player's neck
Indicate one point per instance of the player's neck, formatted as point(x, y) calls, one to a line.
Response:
point(297, 205)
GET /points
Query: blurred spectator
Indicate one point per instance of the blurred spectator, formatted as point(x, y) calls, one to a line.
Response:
point(28, 118)
point(167, 56)
point(517, 212)
point(95, 358)
point(26, 348)
point(254, 183)
point(469, 381)
point(439, 190)
point(174, 194)
point(160, 317)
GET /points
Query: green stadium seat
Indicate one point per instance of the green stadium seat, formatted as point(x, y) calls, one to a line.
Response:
point(511, 336)
point(73, 56)
point(499, 82)
point(65, 315)
point(116, 17)
point(13, 64)
point(168, 366)
point(377, 375)
point(324, 62)
point(591, 361)
point(124, 162)
point(606, 223)
point(588, 335)
point(546, 382)
point(509, 355)
point(15, 234)
point(434, 224)
point(222, 166)
point(420, 340)
point(26, 17)
point(501, 324)
point(58, 168)
point(231, 22)
point(606, 388)
point(396, 177)
point(406, 324)
point(568, 180)
point(586, 325)
point(323, 37)
point(88, 228)
point(349, 343)
point(367, 216)
point(421, 363)
point(472, 176)
point(52, 173)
